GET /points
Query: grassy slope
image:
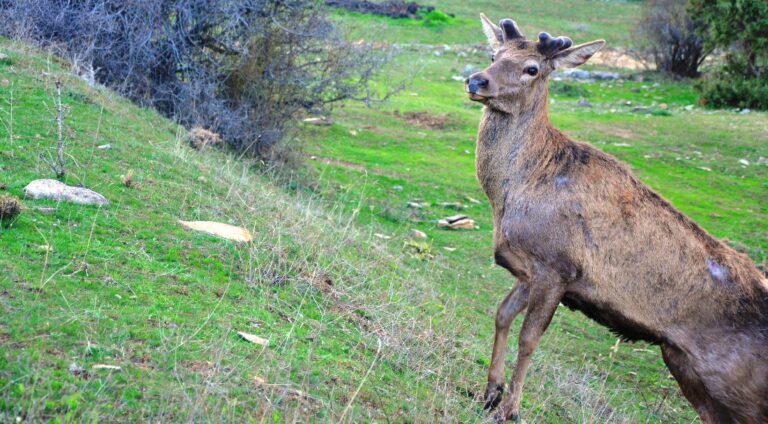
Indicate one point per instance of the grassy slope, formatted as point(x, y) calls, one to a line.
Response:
point(125, 285)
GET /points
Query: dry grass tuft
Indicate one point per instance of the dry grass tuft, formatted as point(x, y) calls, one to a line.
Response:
point(10, 208)
point(201, 139)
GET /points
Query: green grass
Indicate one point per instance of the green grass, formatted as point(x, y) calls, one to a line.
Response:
point(331, 273)
point(583, 20)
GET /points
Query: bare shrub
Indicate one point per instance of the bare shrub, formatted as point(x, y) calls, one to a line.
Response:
point(244, 69)
point(671, 38)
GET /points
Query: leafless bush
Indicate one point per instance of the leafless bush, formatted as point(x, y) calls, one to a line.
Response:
point(671, 37)
point(245, 69)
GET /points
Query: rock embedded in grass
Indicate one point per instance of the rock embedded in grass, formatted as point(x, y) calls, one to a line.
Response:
point(219, 229)
point(416, 234)
point(60, 192)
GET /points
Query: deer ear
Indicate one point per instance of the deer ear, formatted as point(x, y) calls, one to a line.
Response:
point(493, 32)
point(576, 55)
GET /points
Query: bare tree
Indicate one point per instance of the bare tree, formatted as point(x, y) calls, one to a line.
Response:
point(672, 38)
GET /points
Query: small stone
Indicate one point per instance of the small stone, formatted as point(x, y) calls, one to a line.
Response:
point(416, 234)
point(5, 83)
point(60, 192)
point(77, 370)
point(664, 106)
point(584, 103)
point(416, 205)
point(382, 236)
point(320, 120)
point(353, 133)
point(104, 146)
point(397, 188)
point(449, 249)
point(689, 108)
point(468, 70)
point(744, 162)
point(452, 205)
point(253, 338)
point(457, 222)
point(745, 111)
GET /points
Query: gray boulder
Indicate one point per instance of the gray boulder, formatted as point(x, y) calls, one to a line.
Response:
point(60, 192)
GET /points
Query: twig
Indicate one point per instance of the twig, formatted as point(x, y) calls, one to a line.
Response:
point(58, 165)
point(360, 386)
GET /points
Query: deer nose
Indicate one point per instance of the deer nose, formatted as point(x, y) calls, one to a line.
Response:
point(475, 83)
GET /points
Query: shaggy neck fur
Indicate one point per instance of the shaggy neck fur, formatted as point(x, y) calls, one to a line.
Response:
point(513, 137)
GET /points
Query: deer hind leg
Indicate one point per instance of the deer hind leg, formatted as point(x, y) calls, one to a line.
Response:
point(545, 293)
point(510, 307)
point(709, 409)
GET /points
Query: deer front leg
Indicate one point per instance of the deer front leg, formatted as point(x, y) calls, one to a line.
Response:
point(545, 295)
point(513, 304)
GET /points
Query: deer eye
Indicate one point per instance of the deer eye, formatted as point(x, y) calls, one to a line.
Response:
point(532, 70)
point(493, 58)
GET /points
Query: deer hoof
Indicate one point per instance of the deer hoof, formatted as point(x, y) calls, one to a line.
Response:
point(493, 395)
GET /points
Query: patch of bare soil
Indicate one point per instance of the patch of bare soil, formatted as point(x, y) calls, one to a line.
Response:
point(425, 119)
point(619, 58)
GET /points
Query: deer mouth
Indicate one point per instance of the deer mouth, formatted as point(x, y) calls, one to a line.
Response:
point(476, 97)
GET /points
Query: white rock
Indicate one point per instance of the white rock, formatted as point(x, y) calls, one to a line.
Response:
point(744, 162)
point(253, 338)
point(60, 192)
point(219, 229)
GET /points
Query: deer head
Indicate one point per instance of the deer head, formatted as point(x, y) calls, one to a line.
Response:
point(520, 68)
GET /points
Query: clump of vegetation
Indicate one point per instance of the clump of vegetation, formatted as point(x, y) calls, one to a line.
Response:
point(740, 27)
point(244, 69)
point(672, 38)
point(10, 208)
point(419, 249)
point(200, 139)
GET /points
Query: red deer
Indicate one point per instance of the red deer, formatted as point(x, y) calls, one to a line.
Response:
point(574, 226)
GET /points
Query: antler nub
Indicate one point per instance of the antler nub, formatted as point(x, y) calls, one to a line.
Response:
point(549, 46)
point(510, 29)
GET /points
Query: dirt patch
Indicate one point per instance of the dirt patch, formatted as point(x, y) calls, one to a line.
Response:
point(391, 8)
point(617, 58)
point(425, 119)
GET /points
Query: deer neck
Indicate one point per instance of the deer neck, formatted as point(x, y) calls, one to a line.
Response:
point(510, 145)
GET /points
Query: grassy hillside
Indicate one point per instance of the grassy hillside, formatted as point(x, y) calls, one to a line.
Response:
point(363, 323)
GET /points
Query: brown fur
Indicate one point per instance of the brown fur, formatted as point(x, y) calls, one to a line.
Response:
point(576, 227)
